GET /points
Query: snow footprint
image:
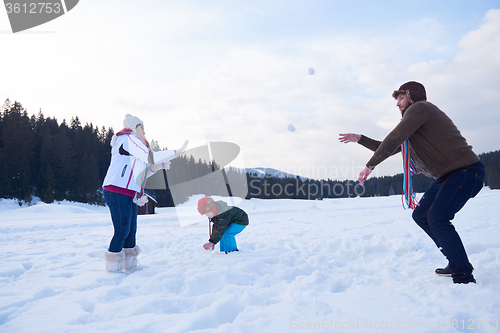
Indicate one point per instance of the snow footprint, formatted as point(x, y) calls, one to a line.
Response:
point(44, 293)
point(87, 306)
point(221, 312)
point(18, 271)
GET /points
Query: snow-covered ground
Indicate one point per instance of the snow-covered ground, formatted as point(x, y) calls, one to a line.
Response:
point(335, 265)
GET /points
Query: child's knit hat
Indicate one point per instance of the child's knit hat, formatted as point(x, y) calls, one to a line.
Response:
point(206, 204)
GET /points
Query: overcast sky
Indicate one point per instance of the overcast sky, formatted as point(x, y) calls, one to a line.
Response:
point(238, 71)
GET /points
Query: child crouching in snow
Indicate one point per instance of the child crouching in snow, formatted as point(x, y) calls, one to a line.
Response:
point(227, 222)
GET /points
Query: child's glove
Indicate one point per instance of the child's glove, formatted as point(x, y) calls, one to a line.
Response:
point(159, 166)
point(141, 201)
point(209, 246)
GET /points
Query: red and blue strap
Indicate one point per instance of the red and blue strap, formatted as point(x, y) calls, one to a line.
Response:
point(410, 169)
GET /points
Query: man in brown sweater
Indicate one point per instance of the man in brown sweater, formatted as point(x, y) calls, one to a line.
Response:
point(438, 150)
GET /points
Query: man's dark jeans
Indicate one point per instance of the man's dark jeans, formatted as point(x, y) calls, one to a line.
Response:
point(446, 196)
point(124, 216)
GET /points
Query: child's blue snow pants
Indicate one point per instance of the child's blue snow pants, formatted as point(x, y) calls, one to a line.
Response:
point(228, 242)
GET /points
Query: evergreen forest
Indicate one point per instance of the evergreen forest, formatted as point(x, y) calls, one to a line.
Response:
point(68, 161)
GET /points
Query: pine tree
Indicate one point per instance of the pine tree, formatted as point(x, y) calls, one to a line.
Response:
point(45, 184)
point(491, 163)
point(47, 192)
point(17, 152)
point(88, 180)
point(4, 180)
point(64, 163)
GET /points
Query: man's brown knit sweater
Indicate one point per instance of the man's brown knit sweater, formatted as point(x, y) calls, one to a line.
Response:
point(436, 145)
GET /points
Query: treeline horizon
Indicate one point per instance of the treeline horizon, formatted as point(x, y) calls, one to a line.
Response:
point(68, 161)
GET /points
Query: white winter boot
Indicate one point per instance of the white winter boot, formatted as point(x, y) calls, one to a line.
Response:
point(114, 261)
point(130, 262)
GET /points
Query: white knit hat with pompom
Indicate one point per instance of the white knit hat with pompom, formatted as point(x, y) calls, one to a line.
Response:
point(131, 122)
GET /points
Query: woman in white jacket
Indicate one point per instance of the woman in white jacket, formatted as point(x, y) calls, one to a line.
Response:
point(132, 162)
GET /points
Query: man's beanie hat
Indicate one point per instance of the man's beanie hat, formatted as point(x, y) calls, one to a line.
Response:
point(206, 204)
point(414, 90)
point(131, 122)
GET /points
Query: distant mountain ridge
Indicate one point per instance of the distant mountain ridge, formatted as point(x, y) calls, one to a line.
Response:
point(262, 172)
